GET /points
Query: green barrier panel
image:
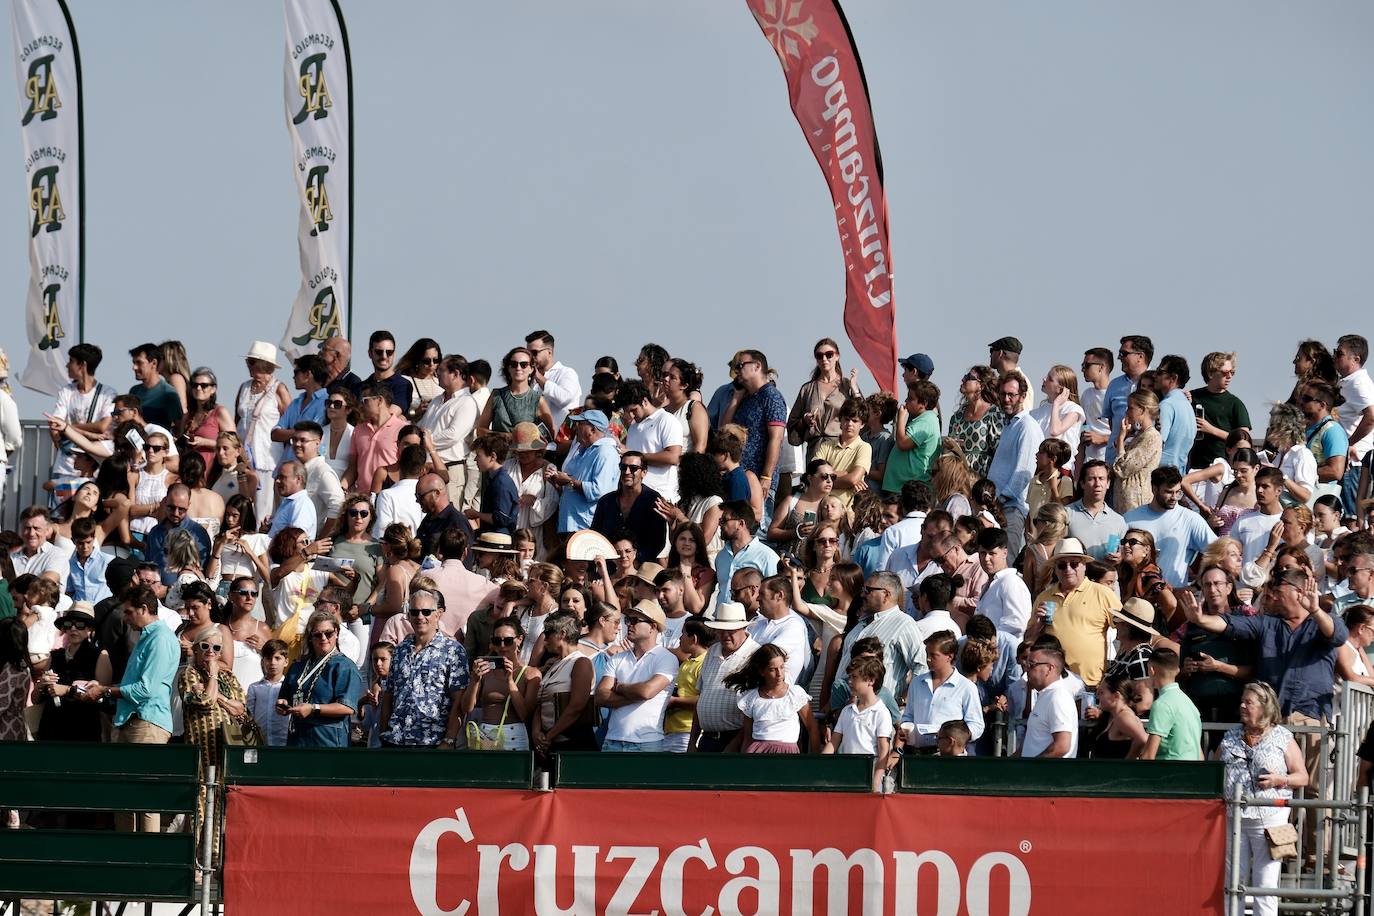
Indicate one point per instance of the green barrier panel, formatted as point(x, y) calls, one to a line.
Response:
point(417, 767)
point(728, 772)
point(1093, 778)
point(94, 864)
point(60, 775)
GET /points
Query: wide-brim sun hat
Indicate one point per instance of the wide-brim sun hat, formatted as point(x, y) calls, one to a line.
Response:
point(264, 352)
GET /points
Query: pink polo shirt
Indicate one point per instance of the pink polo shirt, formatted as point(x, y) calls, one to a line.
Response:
point(374, 447)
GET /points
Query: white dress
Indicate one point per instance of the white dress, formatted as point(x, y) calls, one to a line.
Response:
point(257, 417)
point(149, 490)
point(340, 462)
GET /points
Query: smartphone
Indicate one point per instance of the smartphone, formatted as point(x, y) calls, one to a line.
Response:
point(808, 517)
point(497, 661)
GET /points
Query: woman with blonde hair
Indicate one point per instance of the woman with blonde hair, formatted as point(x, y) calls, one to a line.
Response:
point(212, 698)
point(230, 474)
point(176, 369)
point(391, 591)
point(1136, 460)
point(1060, 415)
point(543, 583)
point(1048, 527)
point(952, 479)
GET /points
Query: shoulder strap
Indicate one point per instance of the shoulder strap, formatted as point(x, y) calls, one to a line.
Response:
point(1318, 431)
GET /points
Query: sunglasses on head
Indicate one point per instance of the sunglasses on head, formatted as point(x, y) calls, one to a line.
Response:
point(503, 640)
point(212, 647)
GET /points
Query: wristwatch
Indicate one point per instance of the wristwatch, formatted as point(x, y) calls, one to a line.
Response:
point(444, 741)
point(317, 709)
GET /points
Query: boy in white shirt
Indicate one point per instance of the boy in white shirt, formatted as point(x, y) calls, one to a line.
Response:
point(952, 739)
point(865, 725)
point(262, 695)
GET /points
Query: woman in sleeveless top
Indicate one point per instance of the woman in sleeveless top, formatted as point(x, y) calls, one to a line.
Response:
point(340, 413)
point(518, 401)
point(503, 690)
point(207, 506)
point(257, 408)
point(1238, 496)
point(419, 366)
point(205, 419)
point(1352, 662)
point(150, 484)
point(563, 721)
point(790, 519)
point(1118, 733)
point(391, 594)
point(680, 379)
point(815, 413)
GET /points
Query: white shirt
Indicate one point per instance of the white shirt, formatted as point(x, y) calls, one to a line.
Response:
point(1007, 603)
point(322, 485)
point(450, 421)
point(1299, 465)
point(49, 558)
point(641, 722)
point(775, 718)
point(76, 407)
point(1092, 400)
point(790, 635)
point(1253, 529)
point(658, 431)
point(1071, 435)
point(1358, 390)
point(862, 728)
point(563, 391)
point(398, 504)
point(1054, 711)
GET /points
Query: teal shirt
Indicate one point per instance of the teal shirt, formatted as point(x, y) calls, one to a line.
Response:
point(146, 690)
point(161, 404)
point(916, 463)
point(1176, 721)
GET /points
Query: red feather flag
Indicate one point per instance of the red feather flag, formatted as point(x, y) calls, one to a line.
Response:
point(829, 95)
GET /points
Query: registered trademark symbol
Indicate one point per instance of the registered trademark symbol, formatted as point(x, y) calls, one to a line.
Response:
point(1025, 846)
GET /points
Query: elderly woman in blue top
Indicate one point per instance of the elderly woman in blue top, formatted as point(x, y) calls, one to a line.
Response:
point(591, 471)
point(321, 690)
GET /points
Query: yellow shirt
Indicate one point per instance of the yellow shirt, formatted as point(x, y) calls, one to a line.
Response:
point(679, 721)
point(843, 459)
point(1081, 623)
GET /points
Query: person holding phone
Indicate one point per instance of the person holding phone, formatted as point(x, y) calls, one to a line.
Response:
point(506, 688)
point(321, 690)
point(794, 517)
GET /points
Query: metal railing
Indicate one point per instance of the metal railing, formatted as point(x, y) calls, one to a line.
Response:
point(29, 468)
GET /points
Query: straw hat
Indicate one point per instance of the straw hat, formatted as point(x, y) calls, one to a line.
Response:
point(79, 612)
point(262, 350)
point(1070, 548)
point(525, 437)
point(729, 615)
point(647, 573)
point(651, 612)
point(495, 542)
point(1139, 613)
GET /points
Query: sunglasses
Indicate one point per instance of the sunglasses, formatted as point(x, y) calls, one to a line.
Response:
point(358, 513)
point(73, 625)
point(213, 648)
point(336, 405)
point(323, 634)
point(1067, 564)
point(631, 467)
point(1131, 542)
point(523, 364)
point(828, 354)
point(826, 476)
point(380, 352)
point(827, 541)
point(157, 448)
point(504, 640)
point(246, 592)
point(739, 366)
point(422, 611)
point(1308, 399)
point(970, 378)
point(199, 385)
point(430, 361)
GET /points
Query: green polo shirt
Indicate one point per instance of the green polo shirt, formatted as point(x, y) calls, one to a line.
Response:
point(916, 463)
point(1176, 721)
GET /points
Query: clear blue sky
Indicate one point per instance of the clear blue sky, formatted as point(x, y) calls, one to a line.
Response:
point(623, 171)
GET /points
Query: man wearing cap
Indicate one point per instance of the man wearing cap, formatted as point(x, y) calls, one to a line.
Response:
point(631, 507)
point(587, 476)
point(1004, 355)
point(160, 402)
point(450, 419)
point(918, 367)
point(1076, 611)
point(538, 499)
point(717, 717)
point(636, 686)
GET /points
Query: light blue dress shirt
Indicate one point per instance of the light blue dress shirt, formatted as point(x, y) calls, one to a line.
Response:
point(1013, 464)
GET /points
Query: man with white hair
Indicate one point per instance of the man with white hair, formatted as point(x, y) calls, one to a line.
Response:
point(717, 718)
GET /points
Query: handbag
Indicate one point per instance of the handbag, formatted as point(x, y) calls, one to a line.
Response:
point(242, 732)
point(1282, 840)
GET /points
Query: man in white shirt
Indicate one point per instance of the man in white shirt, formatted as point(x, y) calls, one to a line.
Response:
point(779, 625)
point(560, 384)
point(450, 420)
point(656, 433)
point(1007, 600)
point(1254, 527)
point(636, 686)
point(916, 498)
point(85, 405)
point(940, 695)
point(35, 555)
point(1357, 413)
point(294, 508)
point(399, 502)
point(1052, 728)
point(1097, 372)
point(321, 482)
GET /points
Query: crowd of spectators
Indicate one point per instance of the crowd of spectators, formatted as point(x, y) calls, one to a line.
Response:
point(401, 559)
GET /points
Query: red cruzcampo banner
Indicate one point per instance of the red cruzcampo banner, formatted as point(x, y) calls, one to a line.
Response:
point(299, 850)
point(829, 94)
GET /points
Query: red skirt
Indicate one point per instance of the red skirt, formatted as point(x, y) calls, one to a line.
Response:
point(772, 747)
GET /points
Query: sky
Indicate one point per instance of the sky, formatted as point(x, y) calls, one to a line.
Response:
point(621, 172)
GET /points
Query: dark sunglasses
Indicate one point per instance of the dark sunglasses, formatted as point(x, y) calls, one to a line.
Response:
point(631, 467)
point(323, 634)
point(157, 448)
point(73, 625)
point(211, 647)
point(828, 354)
point(337, 405)
point(202, 384)
point(246, 592)
point(1308, 399)
point(826, 476)
point(523, 364)
point(358, 513)
point(380, 352)
point(431, 361)
point(825, 541)
point(1067, 564)
point(1131, 542)
point(422, 611)
point(504, 640)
